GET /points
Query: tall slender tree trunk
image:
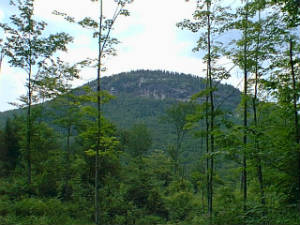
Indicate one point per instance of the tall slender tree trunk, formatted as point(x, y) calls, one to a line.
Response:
point(67, 161)
point(29, 127)
point(256, 141)
point(212, 144)
point(97, 210)
point(295, 97)
point(245, 110)
point(207, 145)
point(29, 122)
point(69, 131)
point(178, 147)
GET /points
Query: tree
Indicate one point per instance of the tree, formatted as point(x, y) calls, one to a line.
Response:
point(242, 57)
point(65, 111)
point(245, 102)
point(291, 11)
point(284, 86)
point(54, 80)
point(259, 42)
point(10, 149)
point(209, 18)
point(27, 48)
point(88, 130)
point(282, 81)
point(295, 97)
point(54, 83)
point(139, 140)
point(102, 31)
point(177, 116)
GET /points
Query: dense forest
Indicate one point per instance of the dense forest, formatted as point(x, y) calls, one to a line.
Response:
point(156, 147)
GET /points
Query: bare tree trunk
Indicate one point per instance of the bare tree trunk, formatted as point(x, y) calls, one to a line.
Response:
point(97, 210)
point(29, 128)
point(256, 141)
point(29, 122)
point(212, 144)
point(295, 97)
point(177, 150)
point(207, 147)
point(245, 111)
point(67, 161)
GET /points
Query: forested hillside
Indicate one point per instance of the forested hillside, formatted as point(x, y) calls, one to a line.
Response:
point(143, 96)
point(155, 147)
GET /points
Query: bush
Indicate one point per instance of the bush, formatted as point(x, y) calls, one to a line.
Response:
point(150, 220)
point(30, 207)
point(5, 206)
point(40, 211)
point(179, 206)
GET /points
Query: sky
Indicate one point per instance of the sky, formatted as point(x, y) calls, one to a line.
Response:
point(149, 40)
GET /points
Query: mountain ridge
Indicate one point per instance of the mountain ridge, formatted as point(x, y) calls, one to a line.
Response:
point(160, 85)
point(148, 93)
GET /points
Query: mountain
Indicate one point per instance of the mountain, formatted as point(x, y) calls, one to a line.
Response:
point(161, 85)
point(145, 93)
point(142, 96)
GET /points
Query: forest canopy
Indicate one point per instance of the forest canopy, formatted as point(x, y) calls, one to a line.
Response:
point(152, 146)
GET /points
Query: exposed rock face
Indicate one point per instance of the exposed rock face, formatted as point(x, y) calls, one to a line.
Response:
point(162, 85)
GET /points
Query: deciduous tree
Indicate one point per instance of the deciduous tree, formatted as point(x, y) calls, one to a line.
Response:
point(28, 48)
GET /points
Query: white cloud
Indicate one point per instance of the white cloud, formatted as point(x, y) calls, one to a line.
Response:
point(157, 46)
point(149, 39)
point(77, 9)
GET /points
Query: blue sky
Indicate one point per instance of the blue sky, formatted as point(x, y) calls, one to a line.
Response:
point(149, 40)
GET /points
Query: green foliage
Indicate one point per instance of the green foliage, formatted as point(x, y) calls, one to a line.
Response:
point(144, 189)
point(150, 220)
point(179, 205)
point(138, 140)
point(136, 151)
point(36, 211)
point(9, 148)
